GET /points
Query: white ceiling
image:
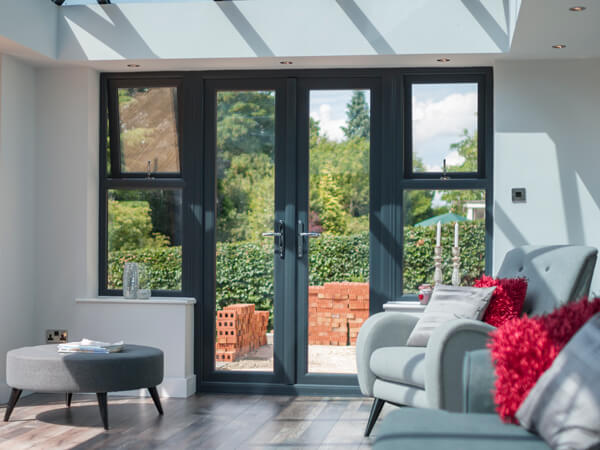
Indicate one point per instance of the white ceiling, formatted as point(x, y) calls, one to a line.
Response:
point(540, 24)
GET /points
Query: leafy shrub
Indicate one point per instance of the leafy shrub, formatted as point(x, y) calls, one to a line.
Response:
point(130, 226)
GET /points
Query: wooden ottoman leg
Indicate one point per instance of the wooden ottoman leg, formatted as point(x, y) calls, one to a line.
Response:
point(14, 398)
point(102, 403)
point(156, 398)
point(68, 399)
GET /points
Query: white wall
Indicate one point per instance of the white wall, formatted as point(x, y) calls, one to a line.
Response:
point(17, 208)
point(67, 116)
point(547, 125)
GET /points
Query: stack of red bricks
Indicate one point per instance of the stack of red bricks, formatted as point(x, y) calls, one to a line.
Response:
point(240, 329)
point(336, 311)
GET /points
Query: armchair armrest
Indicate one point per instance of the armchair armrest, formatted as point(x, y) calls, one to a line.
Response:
point(444, 360)
point(478, 382)
point(385, 329)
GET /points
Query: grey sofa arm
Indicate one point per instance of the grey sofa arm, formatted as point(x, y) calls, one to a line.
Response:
point(478, 382)
point(385, 329)
point(444, 360)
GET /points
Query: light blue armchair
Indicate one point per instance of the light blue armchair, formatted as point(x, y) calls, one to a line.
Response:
point(431, 377)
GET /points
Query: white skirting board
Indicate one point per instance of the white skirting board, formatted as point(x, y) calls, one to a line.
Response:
point(169, 388)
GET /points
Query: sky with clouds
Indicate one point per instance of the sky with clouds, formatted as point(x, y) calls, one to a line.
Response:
point(440, 114)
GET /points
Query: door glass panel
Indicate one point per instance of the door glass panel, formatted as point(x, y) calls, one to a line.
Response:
point(148, 127)
point(338, 292)
point(423, 209)
point(245, 209)
point(444, 127)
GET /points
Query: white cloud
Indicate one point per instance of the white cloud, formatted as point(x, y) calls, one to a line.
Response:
point(329, 126)
point(447, 117)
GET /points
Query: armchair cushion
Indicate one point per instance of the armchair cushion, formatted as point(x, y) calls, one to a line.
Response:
point(404, 365)
point(386, 329)
point(450, 303)
point(478, 382)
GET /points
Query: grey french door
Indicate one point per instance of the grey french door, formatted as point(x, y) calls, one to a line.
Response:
point(276, 152)
point(247, 190)
point(333, 201)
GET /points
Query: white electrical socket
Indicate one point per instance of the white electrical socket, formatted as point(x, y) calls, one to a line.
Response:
point(56, 336)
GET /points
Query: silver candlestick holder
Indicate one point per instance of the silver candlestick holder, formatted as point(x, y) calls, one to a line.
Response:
point(437, 261)
point(455, 266)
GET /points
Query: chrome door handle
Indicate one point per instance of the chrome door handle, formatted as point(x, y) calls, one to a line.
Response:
point(280, 234)
point(304, 234)
point(310, 234)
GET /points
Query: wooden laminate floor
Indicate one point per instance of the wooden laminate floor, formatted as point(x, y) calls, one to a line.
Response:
point(204, 421)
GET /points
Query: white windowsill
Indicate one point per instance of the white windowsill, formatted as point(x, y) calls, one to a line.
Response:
point(150, 301)
point(403, 306)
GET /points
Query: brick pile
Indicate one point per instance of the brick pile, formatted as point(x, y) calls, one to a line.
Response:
point(336, 311)
point(240, 329)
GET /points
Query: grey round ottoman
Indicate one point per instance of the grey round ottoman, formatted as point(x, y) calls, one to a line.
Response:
point(43, 369)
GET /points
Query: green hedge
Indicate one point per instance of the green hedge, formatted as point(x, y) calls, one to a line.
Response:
point(245, 269)
point(418, 253)
point(339, 258)
point(163, 264)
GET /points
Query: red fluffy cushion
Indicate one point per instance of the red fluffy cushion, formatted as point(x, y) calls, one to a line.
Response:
point(524, 348)
point(507, 300)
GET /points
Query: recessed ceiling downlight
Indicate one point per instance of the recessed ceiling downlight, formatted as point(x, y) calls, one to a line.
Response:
point(577, 8)
point(443, 60)
point(133, 65)
point(559, 46)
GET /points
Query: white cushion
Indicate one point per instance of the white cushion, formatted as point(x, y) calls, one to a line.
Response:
point(449, 303)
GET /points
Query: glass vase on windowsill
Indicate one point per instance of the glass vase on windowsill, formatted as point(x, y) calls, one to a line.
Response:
point(130, 280)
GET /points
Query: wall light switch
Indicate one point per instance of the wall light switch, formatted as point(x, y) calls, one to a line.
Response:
point(519, 195)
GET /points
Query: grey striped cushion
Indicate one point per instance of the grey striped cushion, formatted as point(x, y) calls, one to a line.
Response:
point(449, 303)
